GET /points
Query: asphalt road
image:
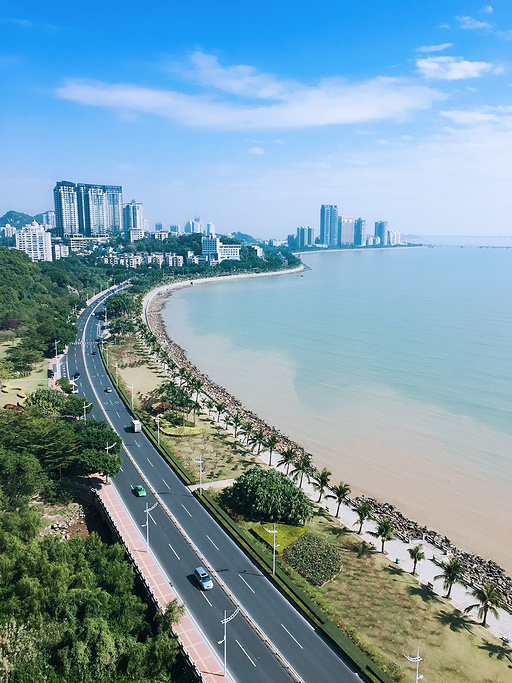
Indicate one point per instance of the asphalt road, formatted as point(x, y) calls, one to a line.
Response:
point(201, 541)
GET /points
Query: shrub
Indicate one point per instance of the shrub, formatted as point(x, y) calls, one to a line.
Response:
point(315, 559)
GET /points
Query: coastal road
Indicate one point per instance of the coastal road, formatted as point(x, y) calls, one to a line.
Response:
point(182, 535)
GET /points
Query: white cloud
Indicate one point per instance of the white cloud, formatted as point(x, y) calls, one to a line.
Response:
point(501, 115)
point(434, 48)
point(505, 35)
point(454, 68)
point(471, 24)
point(287, 104)
point(256, 150)
point(488, 9)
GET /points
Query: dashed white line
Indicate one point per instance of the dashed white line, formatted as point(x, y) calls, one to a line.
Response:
point(245, 653)
point(204, 596)
point(295, 639)
point(249, 587)
point(150, 462)
point(170, 546)
point(211, 541)
point(188, 513)
point(166, 484)
point(151, 517)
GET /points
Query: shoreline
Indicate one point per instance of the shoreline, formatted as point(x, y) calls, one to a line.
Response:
point(477, 568)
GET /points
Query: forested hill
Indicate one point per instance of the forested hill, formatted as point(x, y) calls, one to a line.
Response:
point(18, 219)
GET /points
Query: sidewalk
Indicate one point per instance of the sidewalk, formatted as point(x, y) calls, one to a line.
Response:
point(192, 643)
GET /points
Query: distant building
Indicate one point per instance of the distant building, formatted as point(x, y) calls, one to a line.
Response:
point(9, 230)
point(89, 210)
point(346, 229)
point(175, 229)
point(210, 229)
point(174, 260)
point(329, 225)
point(161, 234)
point(213, 249)
point(259, 251)
point(136, 234)
point(133, 217)
point(49, 220)
point(369, 240)
point(159, 226)
point(394, 238)
point(60, 251)
point(194, 226)
point(305, 237)
point(381, 231)
point(360, 232)
point(35, 241)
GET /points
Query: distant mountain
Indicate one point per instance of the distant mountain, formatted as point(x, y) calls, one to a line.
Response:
point(16, 219)
point(245, 239)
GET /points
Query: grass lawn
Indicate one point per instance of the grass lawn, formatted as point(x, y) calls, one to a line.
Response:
point(17, 389)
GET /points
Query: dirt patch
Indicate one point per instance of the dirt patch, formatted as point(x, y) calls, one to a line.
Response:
point(74, 519)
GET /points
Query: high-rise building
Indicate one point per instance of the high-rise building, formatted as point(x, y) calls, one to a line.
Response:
point(345, 231)
point(381, 231)
point(360, 232)
point(49, 219)
point(91, 210)
point(35, 241)
point(329, 225)
point(194, 226)
point(133, 217)
point(305, 237)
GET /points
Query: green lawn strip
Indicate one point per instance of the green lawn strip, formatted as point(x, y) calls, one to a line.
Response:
point(286, 534)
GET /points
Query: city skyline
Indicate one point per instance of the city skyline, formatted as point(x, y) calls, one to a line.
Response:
point(402, 113)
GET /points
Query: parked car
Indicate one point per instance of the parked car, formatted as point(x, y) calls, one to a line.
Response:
point(108, 390)
point(139, 491)
point(203, 578)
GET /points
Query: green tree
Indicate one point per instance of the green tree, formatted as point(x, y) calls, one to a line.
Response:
point(247, 430)
point(46, 402)
point(220, 407)
point(74, 406)
point(271, 442)
point(21, 476)
point(303, 468)
point(24, 358)
point(416, 554)
point(97, 435)
point(489, 600)
point(339, 493)
point(321, 482)
point(118, 305)
point(236, 422)
point(288, 458)
point(453, 572)
point(258, 439)
point(385, 531)
point(363, 512)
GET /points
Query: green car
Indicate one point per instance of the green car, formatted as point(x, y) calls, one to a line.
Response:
point(139, 491)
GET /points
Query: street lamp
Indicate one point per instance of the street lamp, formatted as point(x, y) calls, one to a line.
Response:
point(417, 661)
point(86, 405)
point(57, 341)
point(224, 640)
point(107, 448)
point(148, 510)
point(158, 428)
point(200, 461)
point(106, 351)
point(117, 375)
point(131, 387)
point(274, 532)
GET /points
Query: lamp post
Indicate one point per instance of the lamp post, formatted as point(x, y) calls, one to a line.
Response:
point(417, 661)
point(274, 532)
point(131, 388)
point(158, 428)
point(224, 640)
point(107, 448)
point(148, 510)
point(86, 405)
point(117, 375)
point(200, 461)
point(106, 351)
point(56, 350)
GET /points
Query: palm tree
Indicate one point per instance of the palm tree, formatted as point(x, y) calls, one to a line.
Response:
point(258, 439)
point(489, 599)
point(247, 430)
point(303, 466)
point(287, 458)
point(363, 512)
point(453, 572)
point(221, 407)
point(271, 442)
point(339, 493)
point(385, 531)
point(416, 554)
point(236, 422)
point(321, 481)
point(210, 405)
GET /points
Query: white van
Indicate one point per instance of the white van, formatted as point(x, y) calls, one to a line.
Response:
point(203, 578)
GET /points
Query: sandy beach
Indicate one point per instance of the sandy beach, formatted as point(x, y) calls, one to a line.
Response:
point(486, 517)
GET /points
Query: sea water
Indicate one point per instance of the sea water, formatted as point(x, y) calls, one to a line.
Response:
point(393, 367)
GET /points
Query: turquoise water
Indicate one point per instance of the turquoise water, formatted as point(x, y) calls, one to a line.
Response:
point(384, 364)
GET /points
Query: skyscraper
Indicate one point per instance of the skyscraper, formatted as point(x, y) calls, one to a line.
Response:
point(90, 210)
point(133, 217)
point(360, 232)
point(305, 237)
point(329, 225)
point(381, 231)
point(35, 241)
point(346, 231)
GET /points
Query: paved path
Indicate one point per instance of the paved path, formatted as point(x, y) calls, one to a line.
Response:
point(190, 637)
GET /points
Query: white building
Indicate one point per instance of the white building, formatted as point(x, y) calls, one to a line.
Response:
point(174, 260)
point(35, 241)
point(137, 234)
point(161, 234)
point(258, 250)
point(213, 250)
point(133, 217)
point(60, 251)
point(9, 230)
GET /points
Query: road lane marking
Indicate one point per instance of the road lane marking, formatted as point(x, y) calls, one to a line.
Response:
point(204, 596)
point(249, 587)
point(149, 462)
point(170, 546)
point(188, 513)
point(245, 653)
point(295, 639)
point(151, 517)
point(211, 541)
point(166, 484)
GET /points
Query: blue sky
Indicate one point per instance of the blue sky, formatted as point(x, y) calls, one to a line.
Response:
point(253, 114)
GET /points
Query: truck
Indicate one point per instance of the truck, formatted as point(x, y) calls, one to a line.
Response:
point(136, 426)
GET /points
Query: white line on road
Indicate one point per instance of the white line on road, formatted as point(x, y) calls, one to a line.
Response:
point(170, 546)
point(204, 596)
point(245, 653)
point(151, 517)
point(166, 484)
point(211, 541)
point(295, 639)
point(150, 462)
point(188, 513)
point(249, 587)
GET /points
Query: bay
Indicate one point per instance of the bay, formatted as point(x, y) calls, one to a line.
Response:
point(393, 367)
